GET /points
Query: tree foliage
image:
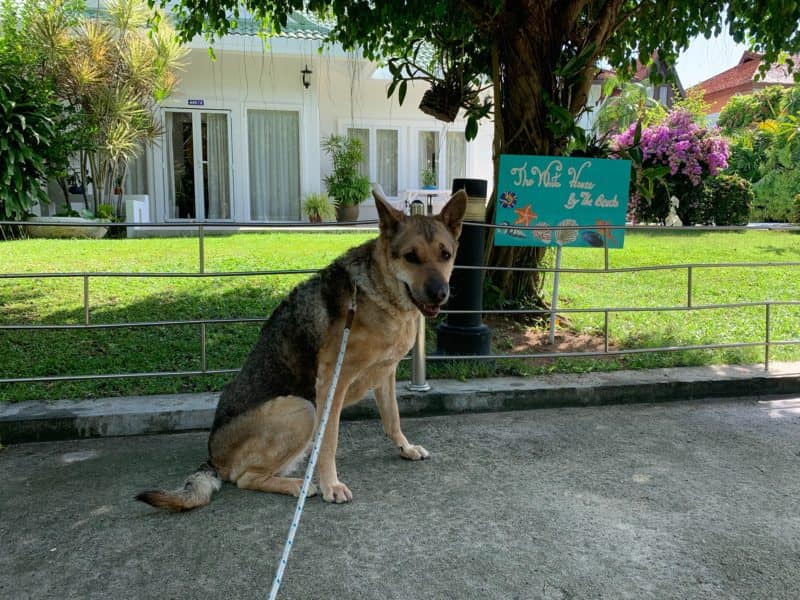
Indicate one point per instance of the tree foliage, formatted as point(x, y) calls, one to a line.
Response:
point(111, 70)
point(748, 110)
point(36, 132)
point(539, 58)
point(765, 148)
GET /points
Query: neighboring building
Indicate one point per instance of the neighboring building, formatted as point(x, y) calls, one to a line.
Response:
point(663, 92)
point(242, 134)
point(740, 80)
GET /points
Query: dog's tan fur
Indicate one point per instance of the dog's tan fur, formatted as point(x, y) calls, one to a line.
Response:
point(267, 416)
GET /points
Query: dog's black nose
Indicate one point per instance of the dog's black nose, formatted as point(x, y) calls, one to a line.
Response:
point(437, 290)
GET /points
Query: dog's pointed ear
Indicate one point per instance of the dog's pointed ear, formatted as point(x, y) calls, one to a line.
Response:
point(389, 216)
point(452, 214)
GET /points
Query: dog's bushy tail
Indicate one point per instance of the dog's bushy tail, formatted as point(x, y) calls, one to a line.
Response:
point(196, 491)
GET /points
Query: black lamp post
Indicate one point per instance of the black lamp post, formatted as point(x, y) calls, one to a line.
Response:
point(466, 333)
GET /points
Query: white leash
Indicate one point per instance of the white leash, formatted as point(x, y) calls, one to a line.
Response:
point(312, 460)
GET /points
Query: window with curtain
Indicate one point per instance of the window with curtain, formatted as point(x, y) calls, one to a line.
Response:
point(361, 135)
point(428, 153)
point(456, 165)
point(136, 176)
point(387, 148)
point(274, 162)
point(216, 168)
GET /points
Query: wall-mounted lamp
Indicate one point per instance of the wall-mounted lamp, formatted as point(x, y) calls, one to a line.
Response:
point(306, 72)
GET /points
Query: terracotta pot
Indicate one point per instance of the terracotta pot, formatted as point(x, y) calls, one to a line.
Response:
point(346, 213)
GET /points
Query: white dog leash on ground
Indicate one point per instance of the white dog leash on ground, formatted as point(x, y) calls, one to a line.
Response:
point(312, 460)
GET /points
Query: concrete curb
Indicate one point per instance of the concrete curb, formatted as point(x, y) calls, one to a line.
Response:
point(65, 419)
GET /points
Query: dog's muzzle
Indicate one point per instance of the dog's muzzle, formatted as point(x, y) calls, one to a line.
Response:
point(436, 293)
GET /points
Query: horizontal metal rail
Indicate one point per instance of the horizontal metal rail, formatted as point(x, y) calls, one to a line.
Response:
point(212, 274)
point(147, 274)
point(604, 309)
point(209, 224)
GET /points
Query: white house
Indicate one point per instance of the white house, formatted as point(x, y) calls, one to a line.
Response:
point(242, 133)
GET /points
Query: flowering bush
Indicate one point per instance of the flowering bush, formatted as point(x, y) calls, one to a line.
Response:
point(682, 155)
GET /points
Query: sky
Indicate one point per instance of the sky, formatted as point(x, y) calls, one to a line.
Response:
point(705, 58)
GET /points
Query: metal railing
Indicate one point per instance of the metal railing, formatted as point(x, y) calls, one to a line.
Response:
point(418, 380)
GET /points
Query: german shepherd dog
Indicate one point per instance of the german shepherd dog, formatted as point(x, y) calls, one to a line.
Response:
point(267, 415)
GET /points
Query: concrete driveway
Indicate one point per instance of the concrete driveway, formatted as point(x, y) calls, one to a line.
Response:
point(679, 500)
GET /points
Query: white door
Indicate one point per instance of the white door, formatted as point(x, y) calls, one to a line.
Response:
point(198, 165)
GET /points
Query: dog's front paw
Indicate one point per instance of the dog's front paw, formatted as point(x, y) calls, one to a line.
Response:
point(412, 452)
point(336, 492)
point(312, 490)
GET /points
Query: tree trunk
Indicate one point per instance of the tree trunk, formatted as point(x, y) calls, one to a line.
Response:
point(525, 51)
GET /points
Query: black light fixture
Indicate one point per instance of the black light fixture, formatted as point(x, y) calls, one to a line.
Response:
point(306, 72)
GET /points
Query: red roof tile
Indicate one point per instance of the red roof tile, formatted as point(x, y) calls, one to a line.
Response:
point(744, 73)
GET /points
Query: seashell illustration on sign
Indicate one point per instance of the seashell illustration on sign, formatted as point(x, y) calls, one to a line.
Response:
point(543, 232)
point(567, 236)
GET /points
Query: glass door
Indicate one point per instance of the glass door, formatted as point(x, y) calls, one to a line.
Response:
point(198, 165)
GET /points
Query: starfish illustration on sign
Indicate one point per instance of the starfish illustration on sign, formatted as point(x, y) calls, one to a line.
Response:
point(524, 215)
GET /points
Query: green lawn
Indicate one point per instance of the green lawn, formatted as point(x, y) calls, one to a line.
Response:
point(709, 286)
point(172, 348)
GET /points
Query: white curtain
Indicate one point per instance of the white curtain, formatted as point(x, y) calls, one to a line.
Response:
point(274, 151)
point(362, 135)
point(387, 152)
point(218, 178)
point(456, 157)
point(136, 177)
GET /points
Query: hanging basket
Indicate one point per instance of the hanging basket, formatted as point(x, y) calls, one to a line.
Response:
point(442, 101)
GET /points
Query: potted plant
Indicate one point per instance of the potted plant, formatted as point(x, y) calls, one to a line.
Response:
point(69, 223)
point(345, 184)
point(428, 178)
point(318, 207)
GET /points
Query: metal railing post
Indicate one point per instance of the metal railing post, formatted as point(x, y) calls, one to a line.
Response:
point(419, 381)
point(86, 298)
point(689, 287)
point(203, 361)
point(767, 307)
point(201, 242)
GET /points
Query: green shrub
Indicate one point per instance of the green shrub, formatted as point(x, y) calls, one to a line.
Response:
point(774, 195)
point(796, 210)
point(743, 111)
point(791, 100)
point(27, 130)
point(731, 199)
point(747, 154)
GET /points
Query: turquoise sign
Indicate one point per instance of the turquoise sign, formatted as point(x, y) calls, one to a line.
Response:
point(584, 195)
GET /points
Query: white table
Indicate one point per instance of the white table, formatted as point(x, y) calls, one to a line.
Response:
point(413, 194)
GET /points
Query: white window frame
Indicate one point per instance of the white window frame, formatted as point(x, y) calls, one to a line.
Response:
point(197, 150)
point(372, 160)
point(442, 132)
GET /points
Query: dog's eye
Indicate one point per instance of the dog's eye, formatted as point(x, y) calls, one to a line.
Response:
point(446, 255)
point(412, 257)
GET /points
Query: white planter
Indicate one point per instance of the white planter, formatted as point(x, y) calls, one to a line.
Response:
point(68, 227)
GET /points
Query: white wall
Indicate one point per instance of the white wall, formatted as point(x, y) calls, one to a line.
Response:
point(350, 97)
point(342, 93)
